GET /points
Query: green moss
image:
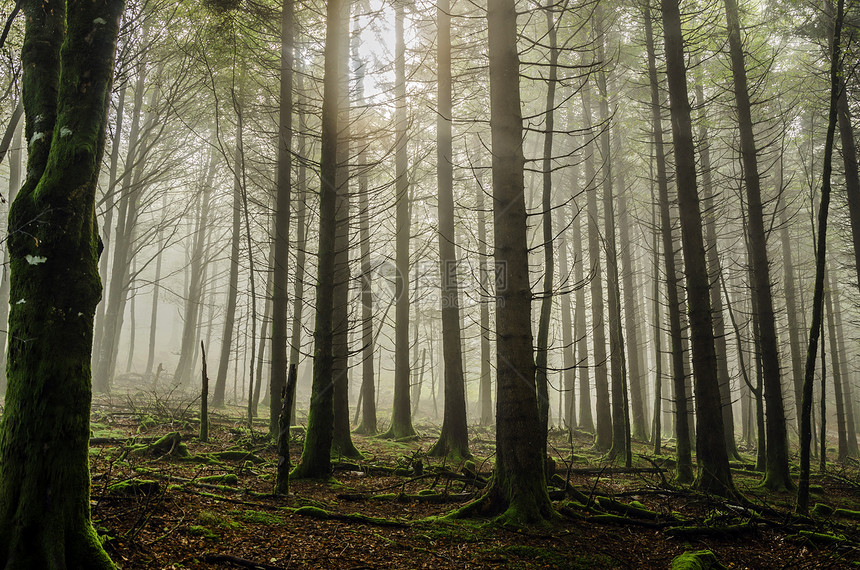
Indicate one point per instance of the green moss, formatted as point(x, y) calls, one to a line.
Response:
point(226, 479)
point(822, 510)
point(314, 512)
point(197, 530)
point(847, 514)
point(698, 560)
point(209, 518)
point(144, 487)
point(260, 517)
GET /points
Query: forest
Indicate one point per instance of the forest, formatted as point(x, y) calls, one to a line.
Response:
point(408, 284)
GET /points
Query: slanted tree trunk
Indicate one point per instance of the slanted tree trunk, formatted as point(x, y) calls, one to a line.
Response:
point(109, 199)
point(776, 471)
point(119, 280)
point(453, 439)
point(401, 417)
point(684, 470)
point(820, 258)
point(517, 492)
point(316, 454)
point(194, 295)
point(712, 461)
point(67, 61)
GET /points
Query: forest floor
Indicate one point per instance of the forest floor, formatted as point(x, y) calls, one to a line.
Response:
point(159, 510)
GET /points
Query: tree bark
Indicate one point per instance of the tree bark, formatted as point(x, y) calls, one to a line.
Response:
point(603, 435)
point(316, 454)
point(776, 472)
point(684, 470)
point(518, 490)
point(67, 57)
point(454, 438)
point(401, 417)
point(281, 257)
point(713, 474)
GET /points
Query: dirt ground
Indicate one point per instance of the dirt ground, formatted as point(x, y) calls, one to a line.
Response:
point(156, 510)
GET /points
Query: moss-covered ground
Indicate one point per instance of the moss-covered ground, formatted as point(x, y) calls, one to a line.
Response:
point(216, 510)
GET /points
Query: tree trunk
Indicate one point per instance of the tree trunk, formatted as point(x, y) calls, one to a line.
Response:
point(714, 270)
point(776, 473)
point(401, 417)
point(301, 244)
point(118, 283)
point(603, 435)
point(713, 474)
point(153, 316)
point(368, 389)
point(53, 248)
point(194, 296)
point(836, 371)
point(316, 454)
point(15, 155)
point(232, 286)
point(541, 349)
point(341, 437)
point(486, 288)
point(850, 426)
point(518, 490)
point(454, 438)
point(684, 472)
point(281, 257)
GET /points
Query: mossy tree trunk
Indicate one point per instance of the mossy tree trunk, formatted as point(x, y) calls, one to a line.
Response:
point(67, 57)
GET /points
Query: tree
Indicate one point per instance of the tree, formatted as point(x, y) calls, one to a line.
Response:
point(454, 438)
point(820, 260)
point(684, 472)
point(517, 492)
point(68, 57)
point(776, 469)
point(401, 417)
point(280, 259)
point(712, 461)
point(316, 454)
